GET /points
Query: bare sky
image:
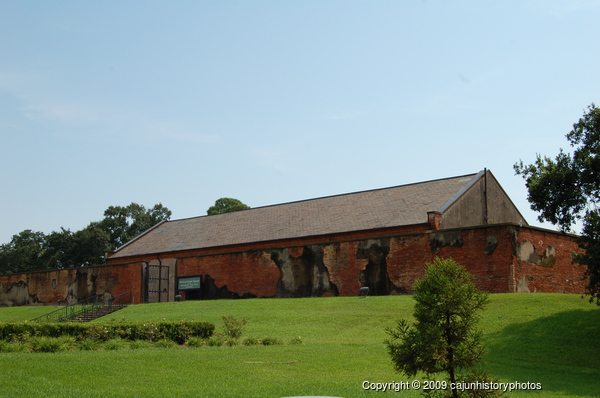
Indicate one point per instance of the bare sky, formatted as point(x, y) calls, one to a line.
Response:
point(184, 102)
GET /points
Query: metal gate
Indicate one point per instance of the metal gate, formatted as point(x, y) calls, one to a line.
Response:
point(157, 283)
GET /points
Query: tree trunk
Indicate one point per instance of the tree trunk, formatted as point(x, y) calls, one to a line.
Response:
point(451, 370)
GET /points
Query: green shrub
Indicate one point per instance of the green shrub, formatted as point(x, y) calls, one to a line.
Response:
point(6, 346)
point(196, 342)
point(165, 344)
point(150, 331)
point(137, 344)
point(215, 341)
point(251, 341)
point(89, 345)
point(115, 344)
point(233, 326)
point(271, 341)
point(51, 344)
point(296, 341)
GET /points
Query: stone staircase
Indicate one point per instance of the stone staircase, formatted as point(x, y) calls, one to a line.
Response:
point(88, 309)
point(99, 312)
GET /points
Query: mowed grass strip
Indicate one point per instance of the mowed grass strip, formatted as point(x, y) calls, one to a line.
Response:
point(538, 338)
point(25, 313)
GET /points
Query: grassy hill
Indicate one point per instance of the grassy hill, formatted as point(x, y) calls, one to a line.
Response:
point(550, 339)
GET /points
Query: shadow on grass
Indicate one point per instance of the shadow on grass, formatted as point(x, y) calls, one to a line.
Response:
point(560, 351)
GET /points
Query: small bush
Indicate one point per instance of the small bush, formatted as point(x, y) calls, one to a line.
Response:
point(115, 344)
point(89, 345)
point(233, 326)
point(137, 344)
point(251, 341)
point(215, 341)
point(271, 341)
point(51, 344)
point(165, 344)
point(196, 342)
point(6, 346)
point(296, 341)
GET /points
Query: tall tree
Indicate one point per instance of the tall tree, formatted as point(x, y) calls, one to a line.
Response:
point(125, 223)
point(444, 338)
point(23, 253)
point(89, 246)
point(58, 250)
point(566, 190)
point(226, 205)
point(34, 251)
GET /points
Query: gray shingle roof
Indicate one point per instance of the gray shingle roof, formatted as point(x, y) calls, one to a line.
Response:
point(374, 209)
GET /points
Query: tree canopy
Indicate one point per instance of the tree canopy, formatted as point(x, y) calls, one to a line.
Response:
point(34, 251)
point(123, 223)
point(566, 190)
point(226, 205)
point(444, 338)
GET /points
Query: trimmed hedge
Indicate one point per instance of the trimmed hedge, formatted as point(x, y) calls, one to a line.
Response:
point(178, 331)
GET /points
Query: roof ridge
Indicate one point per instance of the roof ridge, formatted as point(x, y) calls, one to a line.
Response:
point(461, 191)
point(378, 208)
point(473, 175)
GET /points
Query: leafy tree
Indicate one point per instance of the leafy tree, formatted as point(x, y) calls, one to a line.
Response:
point(89, 246)
point(443, 338)
point(23, 253)
point(125, 223)
point(566, 190)
point(58, 249)
point(33, 251)
point(226, 205)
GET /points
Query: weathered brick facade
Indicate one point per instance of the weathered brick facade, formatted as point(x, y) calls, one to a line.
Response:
point(499, 258)
point(277, 251)
point(71, 285)
point(502, 258)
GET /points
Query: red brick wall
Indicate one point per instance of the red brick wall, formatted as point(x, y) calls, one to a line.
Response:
point(71, 284)
point(541, 272)
point(491, 268)
point(343, 266)
point(243, 273)
point(501, 258)
point(406, 259)
point(488, 253)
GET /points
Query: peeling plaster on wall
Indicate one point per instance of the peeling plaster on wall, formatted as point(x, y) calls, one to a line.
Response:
point(17, 294)
point(375, 275)
point(331, 254)
point(303, 273)
point(527, 252)
point(491, 245)
point(336, 267)
point(437, 240)
point(522, 285)
point(83, 286)
point(344, 267)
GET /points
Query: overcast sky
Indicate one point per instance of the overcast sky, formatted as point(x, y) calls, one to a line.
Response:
point(183, 102)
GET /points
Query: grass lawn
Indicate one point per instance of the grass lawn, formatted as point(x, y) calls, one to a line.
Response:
point(539, 338)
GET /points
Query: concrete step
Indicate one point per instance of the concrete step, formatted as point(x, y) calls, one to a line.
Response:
point(100, 313)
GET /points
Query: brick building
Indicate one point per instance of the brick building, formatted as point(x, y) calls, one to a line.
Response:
point(327, 247)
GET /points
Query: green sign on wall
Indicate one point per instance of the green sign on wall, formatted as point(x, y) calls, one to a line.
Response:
point(189, 282)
